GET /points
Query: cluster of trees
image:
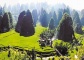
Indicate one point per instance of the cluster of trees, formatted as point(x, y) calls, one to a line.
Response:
point(69, 24)
point(6, 22)
point(51, 19)
point(24, 25)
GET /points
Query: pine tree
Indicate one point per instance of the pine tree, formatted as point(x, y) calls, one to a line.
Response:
point(76, 22)
point(43, 18)
point(59, 15)
point(52, 24)
point(35, 16)
point(25, 25)
point(66, 10)
point(82, 17)
point(65, 30)
point(0, 22)
point(27, 28)
point(11, 20)
point(55, 18)
point(18, 25)
point(5, 23)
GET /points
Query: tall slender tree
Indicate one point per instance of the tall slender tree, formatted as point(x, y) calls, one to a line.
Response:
point(51, 24)
point(11, 20)
point(43, 18)
point(66, 10)
point(35, 16)
point(76, 22)
point(1, 10)
point(82, 17)
point(59, 15)
point(0, 22)
point(20, 18)
point(5, 23)
point(55, 18)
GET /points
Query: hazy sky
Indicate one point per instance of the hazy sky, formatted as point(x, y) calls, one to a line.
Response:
point(74, 4)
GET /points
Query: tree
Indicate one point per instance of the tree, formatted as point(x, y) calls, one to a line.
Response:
point(59, 15)
point(25, 24)
point(43, 18)
point(0, 22)
point(66, 10)
point(82, 17)
point(82, 20)
point(1, 10)
point(18, 25)
point(5, 23)
point(65, 30)
point(55, 18)
point(76, 22)
point(50, 15)
point(27, 28)
point(35, 16)
point(52, 24)
point(11, 20)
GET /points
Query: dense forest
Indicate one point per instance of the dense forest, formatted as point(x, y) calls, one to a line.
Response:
point(41, 32)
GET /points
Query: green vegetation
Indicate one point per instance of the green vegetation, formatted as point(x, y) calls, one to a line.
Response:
point(6, 22)
point(43, 18)
point(14, 39)
point(52, 24)
point(77, 26)
point(29, 40)
point(65, 30)
point(35, 16)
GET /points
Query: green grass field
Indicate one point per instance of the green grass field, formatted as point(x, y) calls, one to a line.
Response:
point(13, 39)
point(17, 40)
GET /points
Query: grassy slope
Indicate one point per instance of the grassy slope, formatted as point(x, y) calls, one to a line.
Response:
point(14, 39)
point(25, 42)
point(31, 42)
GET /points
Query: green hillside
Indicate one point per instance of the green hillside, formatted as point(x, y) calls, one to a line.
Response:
point(12, 38)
